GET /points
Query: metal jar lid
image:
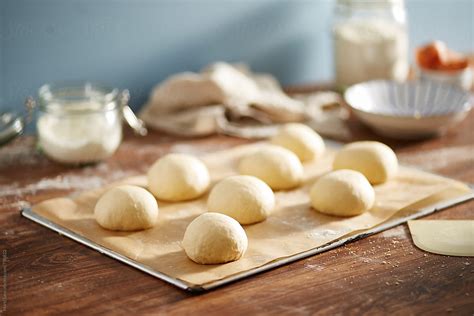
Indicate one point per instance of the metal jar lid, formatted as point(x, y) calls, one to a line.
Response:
point(13, 123)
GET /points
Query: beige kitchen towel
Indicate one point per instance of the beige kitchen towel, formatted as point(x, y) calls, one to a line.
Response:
point(230, 99)
point(294, 227)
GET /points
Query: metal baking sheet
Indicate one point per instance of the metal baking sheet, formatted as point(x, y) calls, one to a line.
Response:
point(28, 213)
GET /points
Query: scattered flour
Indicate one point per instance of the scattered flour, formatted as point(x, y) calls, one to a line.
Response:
point(398, 232)
point(326, 233)
point(152, 151)
point(22, 152)
point(439, 158)
point(90, 178)
point(189, 148)
point(16, 205)
point(59, 182)
point(316, 267)
point(143, 150)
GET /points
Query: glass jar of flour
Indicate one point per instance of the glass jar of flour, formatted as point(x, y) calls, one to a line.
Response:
point(81, 123)
point(370, 41)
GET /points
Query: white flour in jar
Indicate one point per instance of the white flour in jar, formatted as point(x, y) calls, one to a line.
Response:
point(370, 49)
point(79, 138)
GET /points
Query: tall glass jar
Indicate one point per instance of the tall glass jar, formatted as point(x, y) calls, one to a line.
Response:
point(370, 41)
point(79, 123)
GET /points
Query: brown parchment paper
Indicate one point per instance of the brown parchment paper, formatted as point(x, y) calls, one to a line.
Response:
point(293, 227)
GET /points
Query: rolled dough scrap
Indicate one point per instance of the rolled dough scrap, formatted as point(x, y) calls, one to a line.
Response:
point(342, 193)
point(276, 166)
point(178, 177)
point(375, 160)
point(301, 140)
point(444, 237)
point(126, 208)
point(247, 199)
point(214, 238)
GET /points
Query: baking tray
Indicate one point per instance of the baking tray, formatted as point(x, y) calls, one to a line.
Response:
point(28, 213)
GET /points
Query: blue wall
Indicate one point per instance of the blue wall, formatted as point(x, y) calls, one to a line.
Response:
point(135, 44)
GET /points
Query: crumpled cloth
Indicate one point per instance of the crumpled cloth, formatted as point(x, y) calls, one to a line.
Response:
point(232, 100)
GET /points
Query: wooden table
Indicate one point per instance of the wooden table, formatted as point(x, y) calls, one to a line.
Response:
point(385, 273)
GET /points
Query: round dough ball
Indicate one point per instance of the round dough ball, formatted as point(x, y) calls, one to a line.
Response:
point(301, 140)
point(342, 193)
point(126, 208)
point(178, 177)
point(374, 160)
point(276, 166)
point(245, 198)
point(214, 238)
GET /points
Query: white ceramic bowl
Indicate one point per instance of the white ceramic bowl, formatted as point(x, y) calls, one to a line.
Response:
point(408, 110)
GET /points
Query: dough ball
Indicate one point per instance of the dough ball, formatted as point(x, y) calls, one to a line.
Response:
point(178, 177)
point(245, 198)
point(126, 208)
point(374, 160)
point(301, 140)
point(342, 193)
point(214, 238)
point(276, 166)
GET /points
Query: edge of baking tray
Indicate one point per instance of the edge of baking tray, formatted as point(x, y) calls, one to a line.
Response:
point(28, 213)
point(389, 224)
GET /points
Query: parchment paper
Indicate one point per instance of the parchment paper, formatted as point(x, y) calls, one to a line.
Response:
point(293, 227)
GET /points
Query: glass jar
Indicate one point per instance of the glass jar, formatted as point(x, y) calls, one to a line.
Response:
point(79, 123)
point(370, 41)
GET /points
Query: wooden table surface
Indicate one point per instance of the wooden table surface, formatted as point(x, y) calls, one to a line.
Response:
point(45, 273)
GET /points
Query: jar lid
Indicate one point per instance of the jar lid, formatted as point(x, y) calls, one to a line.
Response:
point(12, 124)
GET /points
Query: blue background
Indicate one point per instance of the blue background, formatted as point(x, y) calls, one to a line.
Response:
point(136, 44)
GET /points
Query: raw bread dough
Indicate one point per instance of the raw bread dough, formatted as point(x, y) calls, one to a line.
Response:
point(342, 193)
point(247, 199)
point(301, 140)
point(374, 160)
point(126, 208)
point(276, 166)
point(214, 238)
point(444, 237)
point(178, 177)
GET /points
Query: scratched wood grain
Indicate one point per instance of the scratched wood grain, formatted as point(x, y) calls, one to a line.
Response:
point(50, 274)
